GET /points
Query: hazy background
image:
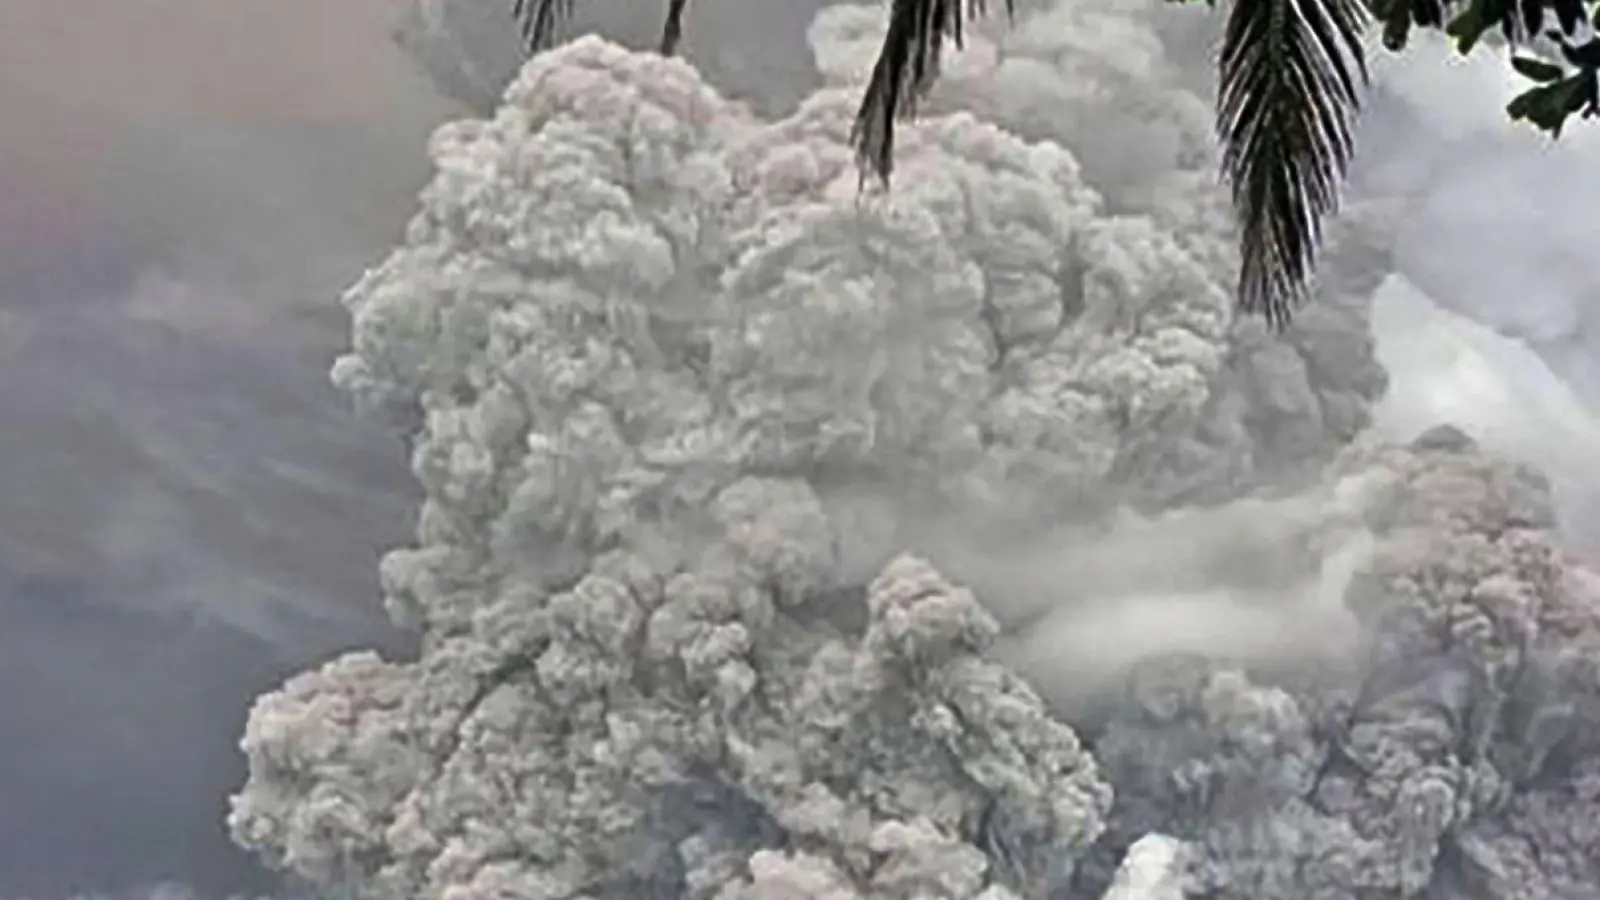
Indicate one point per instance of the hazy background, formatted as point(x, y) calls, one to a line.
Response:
point(187, 513)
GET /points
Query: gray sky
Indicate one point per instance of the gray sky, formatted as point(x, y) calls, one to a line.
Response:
point(187, 513)
point(188, 184)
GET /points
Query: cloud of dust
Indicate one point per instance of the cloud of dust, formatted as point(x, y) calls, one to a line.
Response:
point(1261, 581)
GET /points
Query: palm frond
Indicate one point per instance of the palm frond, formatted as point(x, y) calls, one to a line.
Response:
point(908, 64)
point(673, 29)
point(1292, 72)
point(537, 20)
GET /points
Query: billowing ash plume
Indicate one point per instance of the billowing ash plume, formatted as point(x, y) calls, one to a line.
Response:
point(783, 540)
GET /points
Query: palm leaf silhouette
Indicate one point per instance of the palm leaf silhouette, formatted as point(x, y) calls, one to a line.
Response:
point(673, 28)
point(1291, 72)
point(1291, 78)
point(537, 20)
point(907, 66)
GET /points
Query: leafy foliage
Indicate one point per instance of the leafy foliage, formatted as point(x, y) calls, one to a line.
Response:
point(1563, 85)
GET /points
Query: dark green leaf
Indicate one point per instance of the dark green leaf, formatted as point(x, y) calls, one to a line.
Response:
point(1549, 105)
point(1396, 17)
point(1532, 17)
point(1586, 54)
point(1537, 69)
point(1589, 94)
point(1468, 27)
point(1396, 32)
point(1569, 13)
